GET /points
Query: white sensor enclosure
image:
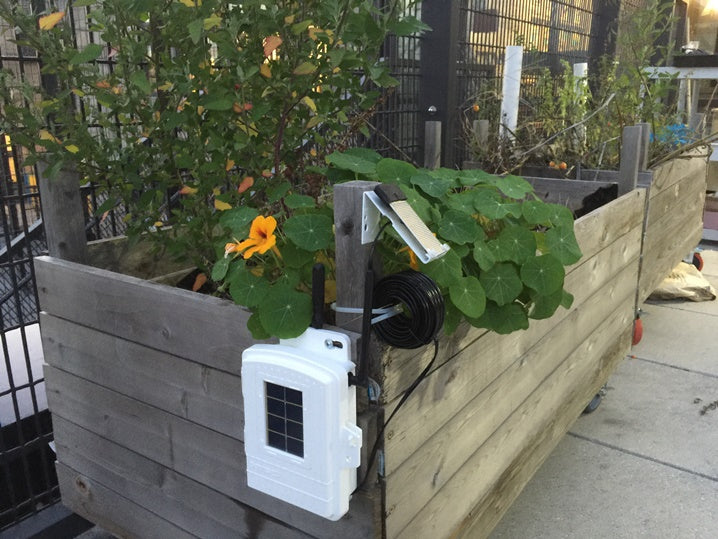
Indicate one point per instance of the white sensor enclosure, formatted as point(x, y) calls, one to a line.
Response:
point(300, 433)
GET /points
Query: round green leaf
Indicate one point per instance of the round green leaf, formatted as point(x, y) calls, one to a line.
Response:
point(311, 231)
point(536, 212)
point(458, 227)
point(364, 153)
point(514, 243)
point(255, 327)
point(463, 201)
point(434, 187)
point(395, 171)
point(294, 257)
point(561, 242)
point(468, 295)
point(238, 220)
point(355, 163)
point(503, 319)
point(471, 177)
point(420, 205)
point(502, 283)
point(490, 204)
point(295, 201)
point(543, 273)
point(444, 270)
point(560, 215)
point(247, 289)
point(284, 312)
point(484, 255)
point(452, 318)
point(545, 306)
point(219, 270)
point(514, 186)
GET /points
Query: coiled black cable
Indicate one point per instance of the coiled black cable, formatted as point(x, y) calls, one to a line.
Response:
point(422, 306)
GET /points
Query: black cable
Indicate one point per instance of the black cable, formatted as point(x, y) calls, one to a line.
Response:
point(404, 397)
point(422, 306)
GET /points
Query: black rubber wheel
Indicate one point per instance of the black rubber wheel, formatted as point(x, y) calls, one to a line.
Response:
point(594, 404)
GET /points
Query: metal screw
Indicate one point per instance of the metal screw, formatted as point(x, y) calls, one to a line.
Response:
point(329, 344)
point(431, 110)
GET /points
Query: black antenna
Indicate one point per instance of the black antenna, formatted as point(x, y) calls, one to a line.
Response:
point(318, 296)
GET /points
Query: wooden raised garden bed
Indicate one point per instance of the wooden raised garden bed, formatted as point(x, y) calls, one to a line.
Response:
point(143, 383)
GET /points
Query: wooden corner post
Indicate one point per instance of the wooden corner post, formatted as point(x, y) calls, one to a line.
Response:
point(630, 158)
point(62, 214)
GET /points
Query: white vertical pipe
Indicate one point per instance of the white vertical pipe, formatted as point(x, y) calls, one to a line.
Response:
point(580, 76)
point(511, 89)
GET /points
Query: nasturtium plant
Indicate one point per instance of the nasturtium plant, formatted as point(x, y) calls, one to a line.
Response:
point(509, 249)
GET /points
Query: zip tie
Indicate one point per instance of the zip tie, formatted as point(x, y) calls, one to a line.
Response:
point(384, 312)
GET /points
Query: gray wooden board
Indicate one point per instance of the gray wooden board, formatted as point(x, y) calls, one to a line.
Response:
point(204, 455)
point(184, 388)
point(569, 193)
point(558, 400)
point(194, 326)
point(111, 511)
point(178, 499)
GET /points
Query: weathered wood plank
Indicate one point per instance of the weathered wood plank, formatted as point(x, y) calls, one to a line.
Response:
point(62, 214)
point(401, 367)
point(189, 390)
point(558, 401)
point(444, 452)
point(630, 158)
point(482, 519)
point(204, 455)
point(188, 504)
point(94, 502)
point(673, 171)
point(691, 187)
point(194, 326)
point(591, 174)
point(569, 193)
point(504, 379)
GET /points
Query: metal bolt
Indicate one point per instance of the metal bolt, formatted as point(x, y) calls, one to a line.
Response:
point(431, 110)
point(329, 344)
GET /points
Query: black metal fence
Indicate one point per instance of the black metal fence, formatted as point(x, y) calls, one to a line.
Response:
point(440, 73)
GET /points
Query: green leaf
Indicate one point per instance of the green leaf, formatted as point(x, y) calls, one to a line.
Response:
point(463, 201)
point(490, 204)
point(444, 270)
point(395, 171)
point(468, 295)
point(484, 255)
point(88, 54)
point(452, 318)
point(309, 231)
point(560, 215)
point(514, 243)
point(218, 102)
point(536, 212)
point(543, 273)
point(284, 312)
point(195, 30)
point(238, 220)
point(459, 227)
point(219, 270)
point(503, 319)
point(305, 68)
point(433, 187)
point(352, 162)
point(294, 257)
point(295, 201)
point(419, 204)
point(502, 283)
point(544, 306)
point(475, 176)
point(277, 191)
point(408, 26)
point(561, 242)
point(255, 327)
point(364, 153)
point(566, 300)
point(513, 186)
point(212, 21)
point(247, 289)
point(139, 79)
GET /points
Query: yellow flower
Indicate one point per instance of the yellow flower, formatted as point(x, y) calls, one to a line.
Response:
point(413, 260)
point(261, 238)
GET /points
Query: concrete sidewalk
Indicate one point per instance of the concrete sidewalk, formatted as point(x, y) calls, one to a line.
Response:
point(645, 464)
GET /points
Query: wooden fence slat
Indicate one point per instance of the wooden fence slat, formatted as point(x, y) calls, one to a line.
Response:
point(630, 158)
point(188, 504)
point(186, 389)
point(202, 328)
point(95, 502)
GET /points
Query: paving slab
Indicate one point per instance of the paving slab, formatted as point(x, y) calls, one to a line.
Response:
point(590, 491)
point(653, 410)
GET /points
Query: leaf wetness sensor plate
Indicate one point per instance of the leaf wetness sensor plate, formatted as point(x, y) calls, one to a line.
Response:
point(390, 201)
point(300, 433)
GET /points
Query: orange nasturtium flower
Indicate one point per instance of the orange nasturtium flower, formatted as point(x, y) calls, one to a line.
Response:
point(261, 238)
point(413, 260)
